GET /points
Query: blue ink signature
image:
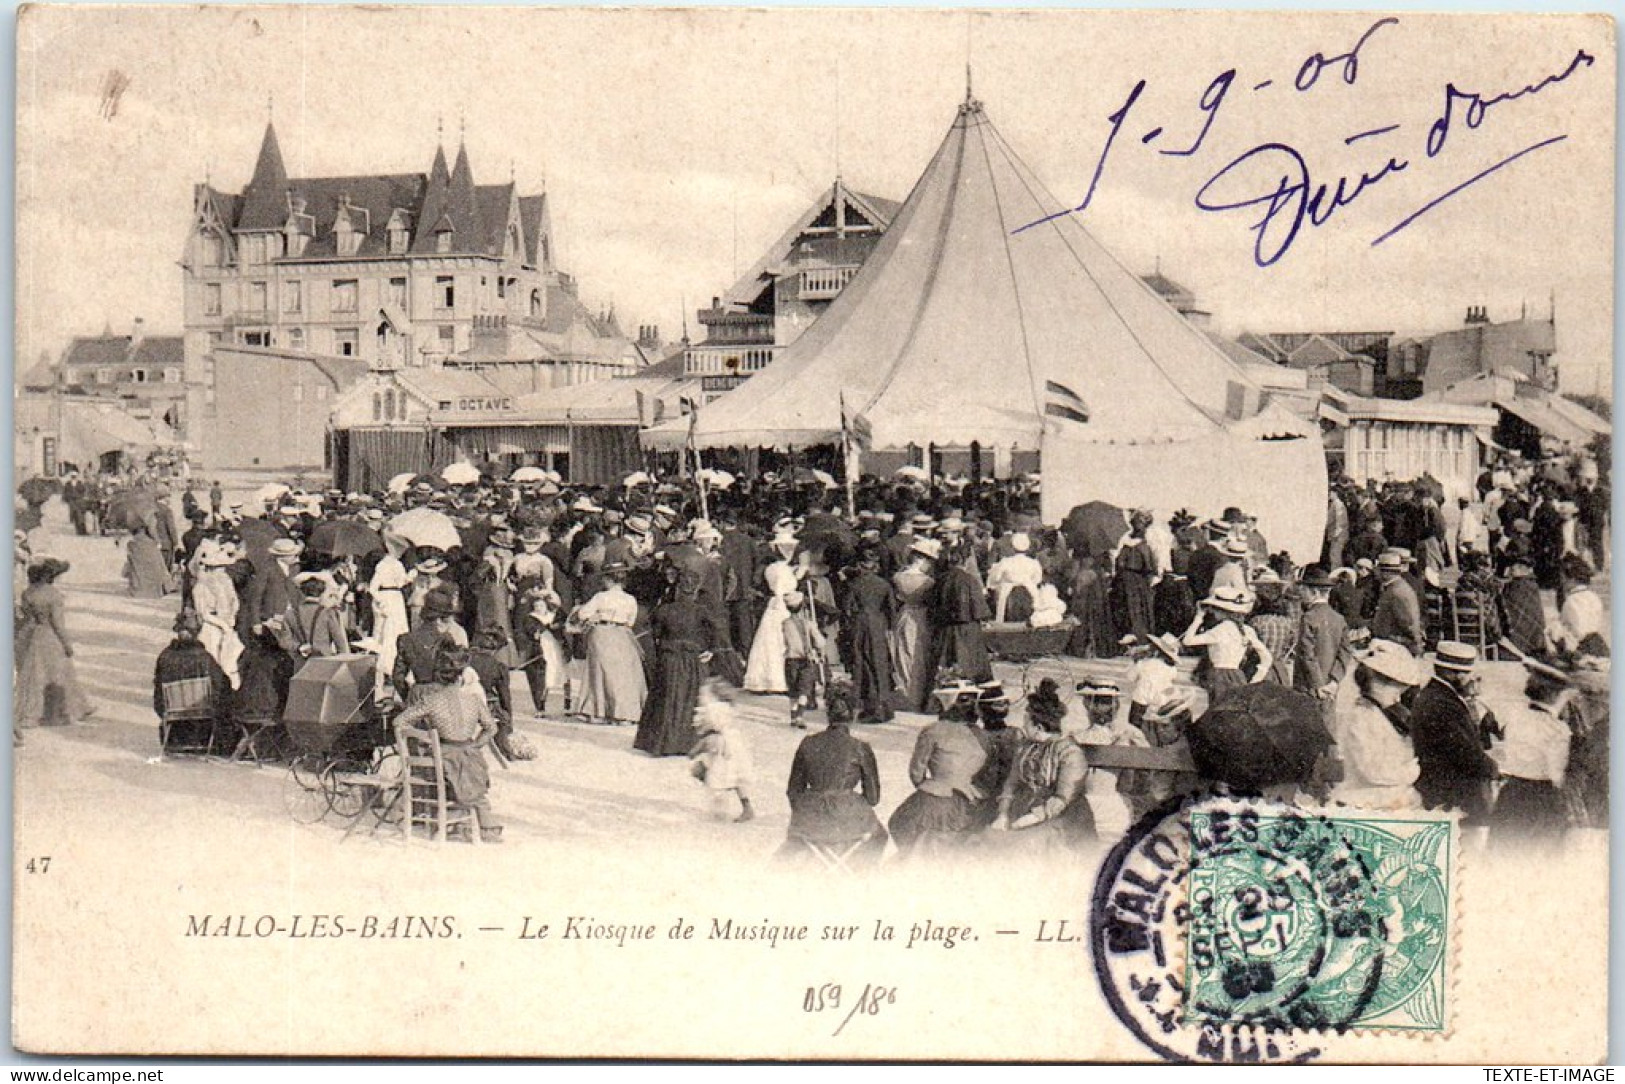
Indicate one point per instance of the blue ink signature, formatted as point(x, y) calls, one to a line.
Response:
point(1275, 179)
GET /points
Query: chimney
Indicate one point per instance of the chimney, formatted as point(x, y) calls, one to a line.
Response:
point(138, 331)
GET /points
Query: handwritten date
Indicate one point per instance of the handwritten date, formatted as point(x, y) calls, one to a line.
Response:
point(828, 997)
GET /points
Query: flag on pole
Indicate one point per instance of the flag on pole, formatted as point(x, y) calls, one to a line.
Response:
point(1061, 401)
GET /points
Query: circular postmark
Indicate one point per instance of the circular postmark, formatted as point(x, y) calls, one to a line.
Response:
point(1239, 930)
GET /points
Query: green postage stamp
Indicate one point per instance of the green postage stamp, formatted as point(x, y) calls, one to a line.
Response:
point(1318, 922)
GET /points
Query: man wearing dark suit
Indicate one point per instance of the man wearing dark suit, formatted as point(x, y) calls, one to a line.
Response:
point(1204, 564)
point(1451, 733)
point(1399, 609)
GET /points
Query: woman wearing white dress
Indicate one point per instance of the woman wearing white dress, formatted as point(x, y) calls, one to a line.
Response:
point(388, 590)
point(1111, 809)
point(615, 686)
point(1379, 765)
point(764, 671)
point(215, 599)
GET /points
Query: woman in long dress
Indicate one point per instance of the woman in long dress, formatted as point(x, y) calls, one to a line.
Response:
point(387, 589)
point(1131, 587)
point(214, 598)
point(912, 637)
point(1044, 806)
point(685, 629)
point(615, 685)
point(144, 568)
point(47, 692)
point(961, 607)
point(764, 671)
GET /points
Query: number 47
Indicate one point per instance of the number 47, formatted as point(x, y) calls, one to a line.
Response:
point(42, 864)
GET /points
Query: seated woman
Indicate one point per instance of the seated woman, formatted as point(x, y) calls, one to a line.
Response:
point(834, 787)
point(190, 693)
point(1373, 737)
point(465, 726)
point(1014, 581)
point(1108, 789)
point(947, 756)
point(1043, 805)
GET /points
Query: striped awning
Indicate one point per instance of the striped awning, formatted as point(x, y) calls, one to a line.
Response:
point(488, 440)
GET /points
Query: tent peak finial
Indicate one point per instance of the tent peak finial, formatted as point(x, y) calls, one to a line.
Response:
point(970, 104)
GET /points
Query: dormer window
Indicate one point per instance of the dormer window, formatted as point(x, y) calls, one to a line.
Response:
point(442, 241)
point(349, 227)
point(400, 232)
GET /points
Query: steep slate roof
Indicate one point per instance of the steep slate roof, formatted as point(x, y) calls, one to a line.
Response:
point(537, 224)
point(265, 200)
point(152, 352)
point(956, 292)
point(878, 210)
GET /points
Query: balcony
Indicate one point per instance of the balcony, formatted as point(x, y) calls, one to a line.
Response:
point(719, 359)
point(824, 283)
point(729, 326)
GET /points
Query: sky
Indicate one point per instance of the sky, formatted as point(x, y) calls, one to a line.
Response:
point(677, 145)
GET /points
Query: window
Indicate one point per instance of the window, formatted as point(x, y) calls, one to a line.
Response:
point(448, 337)
point(258, 297)
point(293, 297)
point(321, 392)
point(344, 295)
point(536, 303)
point(296, 338)
point(104, 376)
point(211, 252)
point(377, 407)
point(172, 375)
point(138, 375)
point(211, 299)
point(349, 242)
point(442, 241)
point(257, 337)
point(298, 393)
point(252, 249)
point(502, 286)
point(215, 339)
point(445, 292)
point(347, 342)
point(296, 242)
point(397, 241)
point(397, 292)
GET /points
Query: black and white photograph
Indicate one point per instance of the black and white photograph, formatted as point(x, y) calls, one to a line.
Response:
point(812, 534)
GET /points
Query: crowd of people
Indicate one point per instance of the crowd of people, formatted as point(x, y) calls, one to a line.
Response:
point(894, 598)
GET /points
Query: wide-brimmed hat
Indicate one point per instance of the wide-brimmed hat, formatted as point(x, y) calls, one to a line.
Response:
point(1455, 656)
point(532, 536)
point(437, 605)
point(1390, 561)
point(1020, 542)
point(951, 525)
point(703, 528)
point(926, 547)
point(1315, 576)
point(1167, 643)
point(585, 505)
point(664, 511)
point(920, 521)
point(1229, 599)
point(952, 692)
point(1265, 576)
point(1234, 547)
point(992, 692)
point(502, 540)
point(285, 547)
point(639, 525)
point(1392, 661)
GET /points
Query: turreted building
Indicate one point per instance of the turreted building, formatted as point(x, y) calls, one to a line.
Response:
point(395, 270)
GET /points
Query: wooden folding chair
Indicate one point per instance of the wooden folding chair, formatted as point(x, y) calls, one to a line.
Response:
point(187, 700)
point(425, 798)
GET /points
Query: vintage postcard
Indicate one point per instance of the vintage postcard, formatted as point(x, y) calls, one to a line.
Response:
point(813, 534)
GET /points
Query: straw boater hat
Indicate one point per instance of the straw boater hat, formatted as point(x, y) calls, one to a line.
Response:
point(1392, 661)
point(1234, 547)
point(704, 529)
point(920, 521)
point(431, 563)
point(954, 691)
point(1229, 599)
point(531, 536)
point(1390, 561)
point(638, 525)
point(1099, 689)
point(1455, 656)
point(927, 547)
point(285, 547)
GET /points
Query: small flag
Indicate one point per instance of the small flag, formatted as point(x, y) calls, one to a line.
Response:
point(1061, 401)
point(855, 428)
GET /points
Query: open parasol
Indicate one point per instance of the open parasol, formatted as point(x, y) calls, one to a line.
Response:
point(715, 479)
point(636, 478)
point(130, 509)
point(1260, 735)
point(460, 474)
point(1095, 528)
point(269, 494)
point(528, 474)
point(912, 473)
point(345, 538)
point(426, 527)
point(401, 482)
